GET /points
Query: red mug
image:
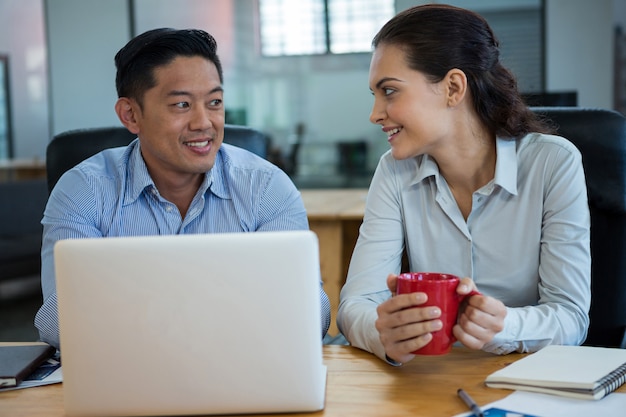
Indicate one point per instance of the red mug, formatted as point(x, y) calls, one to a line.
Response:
point(441, 291)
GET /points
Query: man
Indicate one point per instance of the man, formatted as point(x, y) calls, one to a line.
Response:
point(177, 177)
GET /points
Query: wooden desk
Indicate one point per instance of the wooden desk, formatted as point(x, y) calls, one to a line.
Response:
point(335, 215)
point(358, 385)
point(20, 169)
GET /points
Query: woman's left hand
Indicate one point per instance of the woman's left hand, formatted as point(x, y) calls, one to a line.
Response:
point(480, 320)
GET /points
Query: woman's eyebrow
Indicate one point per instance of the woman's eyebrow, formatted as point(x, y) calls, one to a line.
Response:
point(384, 80)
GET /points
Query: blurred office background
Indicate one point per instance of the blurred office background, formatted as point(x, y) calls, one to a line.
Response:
point(57, 74)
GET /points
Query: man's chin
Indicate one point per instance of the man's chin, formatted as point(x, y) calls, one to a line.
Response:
point(205, 166)
point(202, 164)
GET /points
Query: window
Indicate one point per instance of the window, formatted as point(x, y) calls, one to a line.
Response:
point(309, 27)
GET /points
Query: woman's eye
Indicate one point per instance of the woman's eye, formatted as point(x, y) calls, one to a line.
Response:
point(388, 91)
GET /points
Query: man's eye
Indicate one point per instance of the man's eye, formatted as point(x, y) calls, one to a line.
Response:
point(215, 103)
point(182, 105)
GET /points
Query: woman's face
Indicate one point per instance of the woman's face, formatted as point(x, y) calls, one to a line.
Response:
point(412, 111)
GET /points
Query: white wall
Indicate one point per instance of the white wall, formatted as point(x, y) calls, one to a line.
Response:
point(214, 16)
point(83, 38)
point(579, 49)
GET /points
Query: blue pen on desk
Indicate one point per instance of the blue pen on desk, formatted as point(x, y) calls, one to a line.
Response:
point(470, 403)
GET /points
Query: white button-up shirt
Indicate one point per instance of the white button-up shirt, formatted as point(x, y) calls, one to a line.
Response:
point(525, 242)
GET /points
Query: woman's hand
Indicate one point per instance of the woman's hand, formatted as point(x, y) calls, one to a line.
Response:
point(480, 319)
point(401, 329)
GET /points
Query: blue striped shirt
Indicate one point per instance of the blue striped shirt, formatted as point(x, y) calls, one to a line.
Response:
point(112, 194)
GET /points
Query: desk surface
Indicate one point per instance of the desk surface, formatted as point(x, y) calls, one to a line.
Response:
point(344, 204)
point(23, 163)
point(359, 385)
point(19, 169)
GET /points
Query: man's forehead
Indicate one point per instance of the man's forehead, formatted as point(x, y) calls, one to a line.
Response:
point(186, 74)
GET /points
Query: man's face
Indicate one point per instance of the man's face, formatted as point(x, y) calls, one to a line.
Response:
point(181, 122)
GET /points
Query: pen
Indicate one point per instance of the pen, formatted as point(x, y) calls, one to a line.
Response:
point(470, 403)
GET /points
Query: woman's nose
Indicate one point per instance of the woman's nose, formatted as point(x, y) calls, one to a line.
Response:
point(377, 114)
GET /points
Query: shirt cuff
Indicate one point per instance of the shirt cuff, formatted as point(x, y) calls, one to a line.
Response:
point(392, 362)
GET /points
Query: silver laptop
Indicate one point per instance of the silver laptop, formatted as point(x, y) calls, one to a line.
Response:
point(190, 324)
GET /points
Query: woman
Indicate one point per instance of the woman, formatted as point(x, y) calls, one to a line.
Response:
point(473, 185)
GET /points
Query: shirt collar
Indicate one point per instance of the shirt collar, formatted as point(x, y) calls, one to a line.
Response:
point(138, 176)
point(216, 179)
point(506, 166)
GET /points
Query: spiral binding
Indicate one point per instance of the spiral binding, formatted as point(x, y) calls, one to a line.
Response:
point(613, 380)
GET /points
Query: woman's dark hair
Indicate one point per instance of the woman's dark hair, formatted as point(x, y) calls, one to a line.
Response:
point(136, 61)
point(437, 38)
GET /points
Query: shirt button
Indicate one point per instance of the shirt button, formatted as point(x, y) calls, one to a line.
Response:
point(168, 209)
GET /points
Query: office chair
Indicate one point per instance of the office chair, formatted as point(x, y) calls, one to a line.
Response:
point(600, 135)
point(67, 149)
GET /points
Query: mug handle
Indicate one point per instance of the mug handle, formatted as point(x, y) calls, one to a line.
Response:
point(462, 298)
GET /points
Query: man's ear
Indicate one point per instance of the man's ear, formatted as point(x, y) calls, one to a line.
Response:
point(126, 110)
point(456, 86)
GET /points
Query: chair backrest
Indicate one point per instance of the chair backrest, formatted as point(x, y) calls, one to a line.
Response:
point(67, 149)
point(600, 135)
point(247, 138)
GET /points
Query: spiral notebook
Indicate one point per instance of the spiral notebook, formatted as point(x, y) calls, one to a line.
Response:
point(573, 371)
